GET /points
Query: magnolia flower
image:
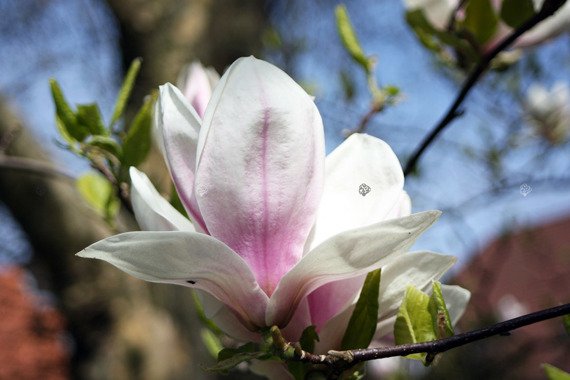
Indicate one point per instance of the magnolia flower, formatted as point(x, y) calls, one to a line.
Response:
point(196, 83)
point(439, 13)
point(549, 111)
point(278, 235)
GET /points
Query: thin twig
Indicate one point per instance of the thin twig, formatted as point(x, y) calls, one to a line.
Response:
point(341, 360)
point(548, 8)
point(363, 124)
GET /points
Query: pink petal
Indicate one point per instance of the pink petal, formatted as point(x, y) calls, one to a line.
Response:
point(196, 83)
point(260, 169)
point(332, 298)
point(346, 255)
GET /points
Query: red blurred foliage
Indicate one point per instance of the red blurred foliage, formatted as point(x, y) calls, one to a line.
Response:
point(31, 345)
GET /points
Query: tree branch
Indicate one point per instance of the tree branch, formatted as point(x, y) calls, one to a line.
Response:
point(341, 360)
point(547, 10)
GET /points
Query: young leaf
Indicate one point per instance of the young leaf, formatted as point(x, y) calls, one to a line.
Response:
point(66, 115)
point(414, 322)
point(137, 142)
point(97, 191)
point(515, 12)
point(364, 318)
point(106, 144)
point(89, 117)
point(63, 131)
point(349, 40)
point(439, 313)
point(553, 373)
point(481, 19)
point(125, 91)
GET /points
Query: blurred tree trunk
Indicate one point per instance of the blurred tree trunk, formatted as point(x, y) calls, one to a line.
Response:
point(168, 34)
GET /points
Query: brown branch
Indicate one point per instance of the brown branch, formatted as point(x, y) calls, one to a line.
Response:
point(342, 360)
point(547, 10)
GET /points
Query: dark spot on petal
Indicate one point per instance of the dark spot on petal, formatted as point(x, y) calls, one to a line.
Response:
point(191, 282)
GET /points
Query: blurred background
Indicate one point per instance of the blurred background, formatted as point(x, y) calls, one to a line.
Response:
point(503, 186)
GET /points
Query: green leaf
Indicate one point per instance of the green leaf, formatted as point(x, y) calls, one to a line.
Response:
point(228, 358)
point(364, 318)
point(414, 321)
point(439, 313)
point(391, 90)
point(66, 115)
point(349, 40)
point(125, 91)
point(98, 193)
point(137, 142)
point(481, 19)
point(553, 373)
point(515, 12)
point(566, 322)
point(89, 117)
point(63, 132)
point(106, 144)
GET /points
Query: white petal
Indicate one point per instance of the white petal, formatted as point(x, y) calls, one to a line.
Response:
point(152, 211)
point(179, 126)
point(363, 186)
point(225, 319)
point(260, 171)
point(549, 28)
point(346, 255)
point(190, 259)
point(437, 12)
point(402, 208)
